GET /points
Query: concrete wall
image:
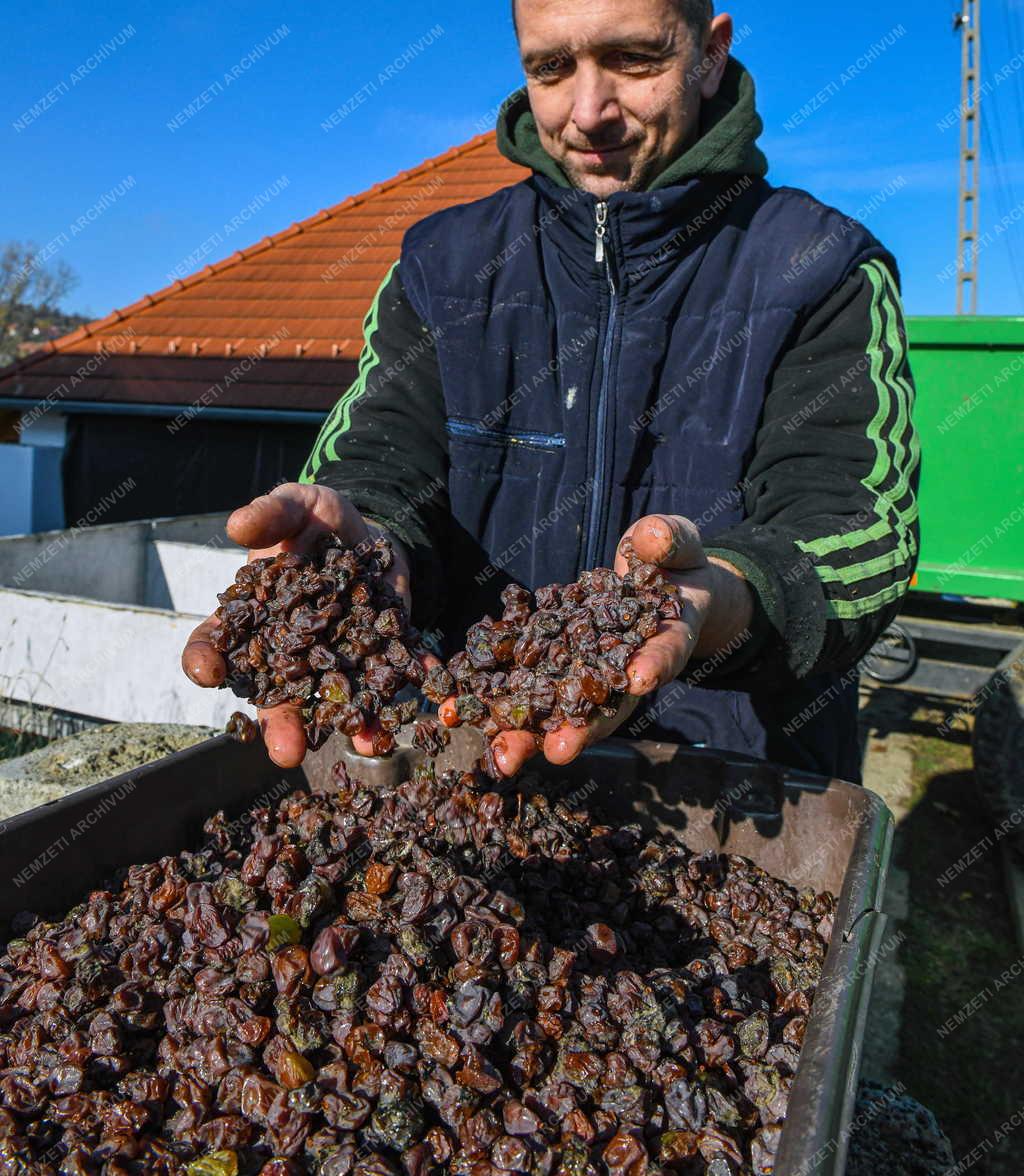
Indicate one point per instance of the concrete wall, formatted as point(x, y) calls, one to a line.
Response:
point(188, 561)
point(93, 621)
point(100, 563)
point(109, 661)
point(179, 564)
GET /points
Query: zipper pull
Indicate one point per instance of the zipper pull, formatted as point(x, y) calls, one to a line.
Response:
point(600, 231)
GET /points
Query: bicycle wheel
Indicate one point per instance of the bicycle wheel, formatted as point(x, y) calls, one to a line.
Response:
point(893, 657)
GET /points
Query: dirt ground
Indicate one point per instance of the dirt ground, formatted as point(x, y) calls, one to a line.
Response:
point(947, 1017)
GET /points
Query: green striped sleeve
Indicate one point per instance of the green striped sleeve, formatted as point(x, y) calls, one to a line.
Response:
point(830, 540)
point(339, 421)
point(848, 560)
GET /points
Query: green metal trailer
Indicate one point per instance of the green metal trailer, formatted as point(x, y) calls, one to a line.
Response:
point(961, 633)
point(970, 415)
point(963, 616)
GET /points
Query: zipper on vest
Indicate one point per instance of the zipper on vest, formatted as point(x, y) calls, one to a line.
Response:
point(463, 427)
point(600, 463)
point(600, 231)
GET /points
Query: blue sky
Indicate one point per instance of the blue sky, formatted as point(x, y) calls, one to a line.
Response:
point(116, 74)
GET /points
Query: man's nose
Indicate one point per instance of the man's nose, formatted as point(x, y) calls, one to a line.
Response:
point(595, 102)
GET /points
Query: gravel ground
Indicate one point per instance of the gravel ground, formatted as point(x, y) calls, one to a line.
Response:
point(76, 761)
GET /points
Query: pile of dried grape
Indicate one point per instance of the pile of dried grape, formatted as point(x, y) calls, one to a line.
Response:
point(327, 632)
point(425, 977)
point(563, 661)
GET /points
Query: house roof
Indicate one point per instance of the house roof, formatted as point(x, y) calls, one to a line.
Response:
point(284, 315)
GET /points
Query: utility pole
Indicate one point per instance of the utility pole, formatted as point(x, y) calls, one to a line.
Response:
point(968, 22)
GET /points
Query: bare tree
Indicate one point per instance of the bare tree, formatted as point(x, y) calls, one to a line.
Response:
point(30, 289)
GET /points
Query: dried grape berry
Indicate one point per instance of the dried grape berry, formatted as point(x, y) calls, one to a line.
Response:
point(430, 736)
point(325, 632)
point(242, 728)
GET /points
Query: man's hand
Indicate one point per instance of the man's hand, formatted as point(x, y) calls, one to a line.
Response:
point(717, 605)
point(291, 517)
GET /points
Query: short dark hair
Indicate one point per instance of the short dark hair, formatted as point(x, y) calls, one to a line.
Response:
point(696, 13)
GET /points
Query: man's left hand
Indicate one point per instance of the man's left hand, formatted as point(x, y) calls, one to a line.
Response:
point(717, 610)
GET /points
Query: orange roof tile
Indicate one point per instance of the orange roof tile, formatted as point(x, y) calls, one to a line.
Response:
point(298, 295)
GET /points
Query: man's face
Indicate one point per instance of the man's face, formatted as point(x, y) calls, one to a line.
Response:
point(615, 85)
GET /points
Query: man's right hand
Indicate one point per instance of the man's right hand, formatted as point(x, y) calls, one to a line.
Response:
point(291, 517)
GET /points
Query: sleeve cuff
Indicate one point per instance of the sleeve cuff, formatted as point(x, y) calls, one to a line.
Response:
point(775, 650)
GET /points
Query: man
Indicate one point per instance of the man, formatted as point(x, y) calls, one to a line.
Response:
point(645, 338)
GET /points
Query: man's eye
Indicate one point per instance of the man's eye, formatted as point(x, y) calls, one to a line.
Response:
point(632, 60)
point(554, 67)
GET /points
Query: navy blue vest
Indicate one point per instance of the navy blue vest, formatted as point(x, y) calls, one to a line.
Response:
point(582, 394)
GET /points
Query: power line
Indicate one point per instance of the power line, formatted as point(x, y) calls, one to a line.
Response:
point(969, 24)
point(1015, 36)
point(994, 142)
point(1005, 196)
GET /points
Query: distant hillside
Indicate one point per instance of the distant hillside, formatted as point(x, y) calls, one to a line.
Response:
point(30, 327)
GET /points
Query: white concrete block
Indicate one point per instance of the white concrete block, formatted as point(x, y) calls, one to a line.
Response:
point(94, 621)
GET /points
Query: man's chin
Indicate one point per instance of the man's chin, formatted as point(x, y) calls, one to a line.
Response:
point(600, 183)
point(617, 172)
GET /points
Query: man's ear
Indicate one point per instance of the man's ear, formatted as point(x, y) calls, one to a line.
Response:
point(716, 55)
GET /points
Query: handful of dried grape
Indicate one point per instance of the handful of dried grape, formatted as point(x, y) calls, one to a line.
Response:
point(325, 631)
point(412, 978)
point(558, 656)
